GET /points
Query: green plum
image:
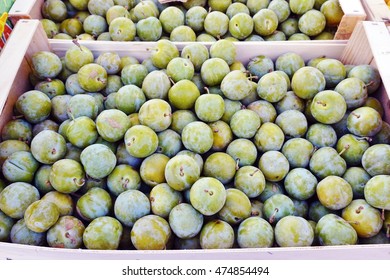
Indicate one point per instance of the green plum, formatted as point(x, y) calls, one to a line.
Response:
point(93, 204)
point(67, 232)
point(269, 137)
point(181, 172)
point(375, 160)
point(290, 102)
point(213, 71)
point(278, 206)
point(34, 105)
point(98, 160)
point(171, 18)
point(163, 199)
point(216, 24)
point(300, 183)
point(77, 56)
point(292, 122)
point(274, 166)
point(321, 135)
point(334, 192)
point(264, 109)
point(334, 230)
point(20, 167)
point(130, 206)
point(272, 87)
point(195, 17)
point(368, 74)
point(376, 192)
point(352, 148)
point(133, 74)
point(103, 233)
point(265, 22)
point(64, 202)
point(208, 195)
point(197, 137)
point(255, 232)
point(163, 53)
point(67, 176)
point(357, 177)
point(326, 161)
point(260, 65)
point(185, 221)
point(150, 232)
point(298, 152)
point(141, 141)
point(328, 107)
point(152, 89)
point(216, 234)
point(243, 151)
point(237, 207)
point(249, 180)
point(46, 64)
point(289, 63)
point(123, 177)
point(220, 166)
point(307, 82)
point(112, 124)
point(293, 231)
point(222, 135)
point(16, 197)
point(245, 123)
point(312, 23)
point(364, 121)
point(149, 29)
point(41, 215)
point(354, 92)
point(152, 169)
point(364, 218)
point(21, 234)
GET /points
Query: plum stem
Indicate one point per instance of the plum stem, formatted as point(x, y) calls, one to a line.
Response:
point(356, 115)
point(251, 77)
point(254, 172)
point(125, 183)
point(181, 171)
point(273, 216)
point(255, 213)
point(369, 83)
point(207, 90)
point(17, 117)
point(383, 215)
point(321, 103)
point(346, 147)
point(209, 192)
point(80, 182)
point(388, 231)
point(172, 81)
point(359, 209)
point(76, 42)
point(238, 163)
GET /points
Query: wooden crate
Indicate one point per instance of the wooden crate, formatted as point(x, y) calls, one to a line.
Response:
point(377, 10)
point(369, 44)
point(353, 13)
